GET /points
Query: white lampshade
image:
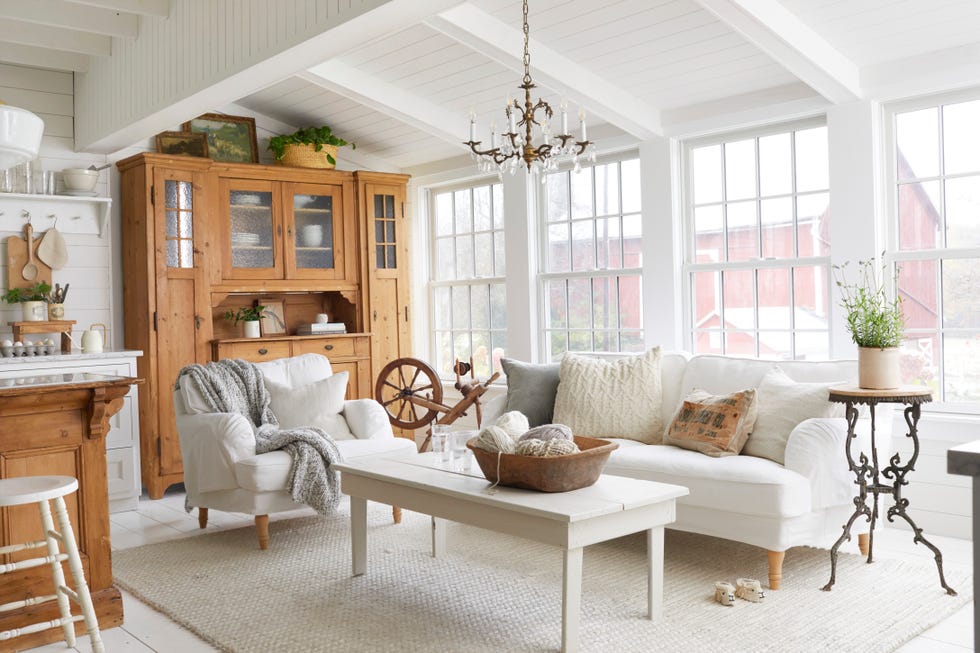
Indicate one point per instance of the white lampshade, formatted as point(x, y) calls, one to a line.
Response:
point(20, 135)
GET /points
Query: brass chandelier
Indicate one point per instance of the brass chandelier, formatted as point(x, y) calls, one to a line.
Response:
point(515, 147)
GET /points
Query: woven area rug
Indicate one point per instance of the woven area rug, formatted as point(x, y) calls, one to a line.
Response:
point(498, 593)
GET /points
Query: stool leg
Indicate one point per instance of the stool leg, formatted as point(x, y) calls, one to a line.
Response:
point(57, 573)
point(81, 587)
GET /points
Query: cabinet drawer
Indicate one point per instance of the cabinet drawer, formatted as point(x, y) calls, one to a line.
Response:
point(255, 352)
point(329, 347)
point(121, 473)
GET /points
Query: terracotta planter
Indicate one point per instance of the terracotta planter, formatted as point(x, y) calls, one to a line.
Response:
point(306, 156)
point(878, 369)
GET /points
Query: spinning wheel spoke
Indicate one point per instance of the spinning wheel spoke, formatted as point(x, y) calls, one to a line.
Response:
point(391, 401)
point(415, 415)
point(401, 409)
point(401, 375)
point(424, 387)
point(415, 378)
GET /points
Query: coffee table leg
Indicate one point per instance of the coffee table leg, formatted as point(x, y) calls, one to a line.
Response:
point(655, 573)
point(571, 604)
point(358, 534)
point(438, 537)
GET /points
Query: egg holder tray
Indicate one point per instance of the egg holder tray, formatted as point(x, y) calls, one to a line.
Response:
point(18, 351)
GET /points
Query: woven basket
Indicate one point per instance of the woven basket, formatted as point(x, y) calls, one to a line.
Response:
point(306, 156)
point(547, 474)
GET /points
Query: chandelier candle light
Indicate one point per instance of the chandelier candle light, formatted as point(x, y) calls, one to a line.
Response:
point(516, 147)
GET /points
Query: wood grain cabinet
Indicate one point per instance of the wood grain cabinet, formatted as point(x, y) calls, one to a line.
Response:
point(202, 237)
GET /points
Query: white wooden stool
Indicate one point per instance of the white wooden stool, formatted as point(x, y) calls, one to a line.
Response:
point(40, 490)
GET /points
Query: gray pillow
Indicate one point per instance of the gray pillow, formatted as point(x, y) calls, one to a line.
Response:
point(531, 389)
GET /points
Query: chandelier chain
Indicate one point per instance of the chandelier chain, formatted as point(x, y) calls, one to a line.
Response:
point(527, 54)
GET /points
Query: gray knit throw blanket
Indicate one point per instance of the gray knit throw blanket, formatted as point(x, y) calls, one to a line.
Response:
point(236, 386)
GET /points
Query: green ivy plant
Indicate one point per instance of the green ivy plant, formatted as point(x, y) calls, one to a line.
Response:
point(873, 319)
point(36, 293)
point(245, 314)
point(318, 136)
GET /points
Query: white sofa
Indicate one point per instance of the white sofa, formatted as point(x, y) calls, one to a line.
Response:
point(221, 468)
point(805, 501)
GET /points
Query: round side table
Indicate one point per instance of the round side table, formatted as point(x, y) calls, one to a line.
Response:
point(874, 479)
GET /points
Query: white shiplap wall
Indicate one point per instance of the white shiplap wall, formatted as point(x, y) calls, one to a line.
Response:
point(49, 94)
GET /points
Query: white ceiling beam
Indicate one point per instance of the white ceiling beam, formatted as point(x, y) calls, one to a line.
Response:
point(391, 100)
point(60, 13)
point(360, 160)
point(155, 8)
point(780, 103)
point(19, 31)
point(793, 44)
point(29, 55)
point(933, 72)
point(495, 39)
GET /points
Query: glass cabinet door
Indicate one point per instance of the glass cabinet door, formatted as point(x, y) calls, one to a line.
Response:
point(314, 231)
point(254, 233)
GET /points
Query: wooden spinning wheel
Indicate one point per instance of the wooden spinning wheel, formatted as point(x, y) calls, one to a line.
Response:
point(406, 385)
point(411, 391)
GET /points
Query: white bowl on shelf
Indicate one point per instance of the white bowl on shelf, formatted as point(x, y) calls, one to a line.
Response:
point(80, 179)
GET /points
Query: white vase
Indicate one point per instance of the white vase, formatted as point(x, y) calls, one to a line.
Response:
point(34, 311)
point(312, 235)
point(878, 369)
point(252, 329)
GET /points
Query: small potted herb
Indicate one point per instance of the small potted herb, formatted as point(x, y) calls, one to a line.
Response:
point(33, 301)
point(876, 324)
point(310, 147)
point(249, 316)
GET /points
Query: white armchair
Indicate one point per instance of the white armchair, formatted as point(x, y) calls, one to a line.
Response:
point(222, 470)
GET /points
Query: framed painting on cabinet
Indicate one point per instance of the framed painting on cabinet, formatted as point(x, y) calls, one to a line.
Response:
point(187, 143)
point(273, 317)
point(230, 138)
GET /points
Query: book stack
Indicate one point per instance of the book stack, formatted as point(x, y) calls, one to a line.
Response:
point(321, 328)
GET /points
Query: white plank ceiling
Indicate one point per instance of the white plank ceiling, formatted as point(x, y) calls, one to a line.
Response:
point(640, 67)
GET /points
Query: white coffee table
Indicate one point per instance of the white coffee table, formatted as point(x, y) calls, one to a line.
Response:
point(613, 507)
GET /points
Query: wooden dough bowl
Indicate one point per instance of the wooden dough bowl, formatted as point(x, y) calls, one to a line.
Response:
point(547, 474)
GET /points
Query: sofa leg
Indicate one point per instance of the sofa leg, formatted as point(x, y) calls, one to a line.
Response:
point(202, 517)
point(776, 569)
point(864, 545)
point(262, 526)
point(396, 514)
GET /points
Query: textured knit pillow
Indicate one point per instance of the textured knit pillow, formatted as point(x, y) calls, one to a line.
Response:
point(611, 399)
point(784, 403)
point(531, 389)
point(716, 425)
point(314, 404)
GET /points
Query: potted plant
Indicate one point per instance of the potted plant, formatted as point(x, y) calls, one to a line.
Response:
point(249, 316)
point(33, 301)
point(310, 147)
point(876, 324)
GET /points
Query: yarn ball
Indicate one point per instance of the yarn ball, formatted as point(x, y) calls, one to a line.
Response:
point(548, 432)
point(494, 438)
point(514, 423)
point(553, 447)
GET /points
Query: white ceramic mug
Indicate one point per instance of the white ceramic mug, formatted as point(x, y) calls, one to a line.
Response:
point(322, 318)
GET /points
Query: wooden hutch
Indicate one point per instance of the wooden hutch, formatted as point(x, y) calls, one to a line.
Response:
point(201, 237)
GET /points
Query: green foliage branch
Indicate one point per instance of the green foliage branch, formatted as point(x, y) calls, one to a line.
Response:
point(318, 136)
point(245, 314)
point(873, 319)
point(36, 293)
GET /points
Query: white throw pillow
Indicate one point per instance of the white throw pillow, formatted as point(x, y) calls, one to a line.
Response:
point(783, 404)
point(315, 404)
point(611, 399)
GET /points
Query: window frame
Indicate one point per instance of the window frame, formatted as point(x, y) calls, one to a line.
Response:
point(543, 277)
point(432, 283)
point(690, 266)
point(895, 256)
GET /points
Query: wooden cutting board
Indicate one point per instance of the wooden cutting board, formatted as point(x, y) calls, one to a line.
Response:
point(17, 259)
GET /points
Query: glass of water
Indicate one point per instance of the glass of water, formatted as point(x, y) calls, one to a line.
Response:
point(461, 455)
point(441, 446)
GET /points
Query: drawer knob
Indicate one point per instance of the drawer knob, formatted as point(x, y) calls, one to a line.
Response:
point(263, 351)
point(328, 347)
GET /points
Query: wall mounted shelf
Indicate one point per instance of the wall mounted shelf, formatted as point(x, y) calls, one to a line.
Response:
point(75, 215)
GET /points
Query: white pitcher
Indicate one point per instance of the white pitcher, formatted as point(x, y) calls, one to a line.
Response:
point(92, 340)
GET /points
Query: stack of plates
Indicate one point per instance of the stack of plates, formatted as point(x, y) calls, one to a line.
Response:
point(244, 238)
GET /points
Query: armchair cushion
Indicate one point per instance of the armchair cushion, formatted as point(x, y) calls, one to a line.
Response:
point(318, 404)
point(366, 419)
point(211, 444)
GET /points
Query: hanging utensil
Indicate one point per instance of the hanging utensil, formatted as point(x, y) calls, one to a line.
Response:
point(30, 268)
point(53, 250)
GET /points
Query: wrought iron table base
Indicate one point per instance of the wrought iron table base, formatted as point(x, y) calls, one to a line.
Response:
point(869, 481)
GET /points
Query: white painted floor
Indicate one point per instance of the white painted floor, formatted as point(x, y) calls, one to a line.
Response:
point(146, 630)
